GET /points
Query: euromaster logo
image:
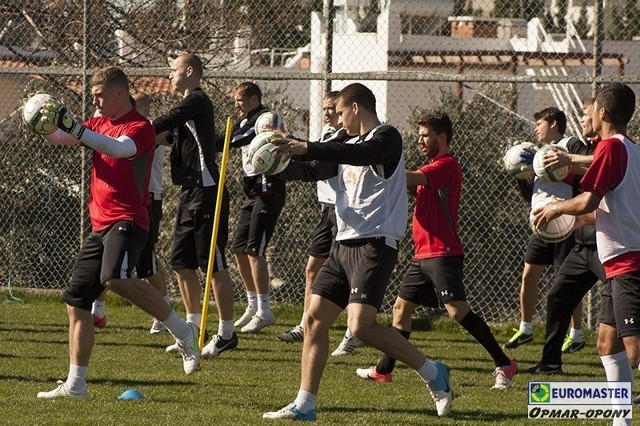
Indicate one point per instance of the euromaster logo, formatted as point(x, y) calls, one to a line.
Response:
point(539, 393)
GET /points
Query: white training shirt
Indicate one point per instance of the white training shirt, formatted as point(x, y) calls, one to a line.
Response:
point(327, 188)
point(369, 205)
point(617, 219)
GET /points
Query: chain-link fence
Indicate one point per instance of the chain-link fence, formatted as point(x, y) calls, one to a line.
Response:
point(490, 64)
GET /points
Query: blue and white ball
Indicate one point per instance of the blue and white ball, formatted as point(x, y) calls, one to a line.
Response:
point(268, 122)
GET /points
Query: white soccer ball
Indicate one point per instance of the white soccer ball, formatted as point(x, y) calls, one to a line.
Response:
point(32, 117)
point(268, 121)
point(548, 173)
point(514, 160)
point(263, 159)
point(556, 230)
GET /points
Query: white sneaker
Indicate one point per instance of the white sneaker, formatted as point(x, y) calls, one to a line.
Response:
point(157, 327)
point(348, 345)
point(291, 412)
point(258, 323)
point(189, 350)
point(440, 390)
point(62, 392)
point(246, 317)
point(295, 335)
point(172, 349)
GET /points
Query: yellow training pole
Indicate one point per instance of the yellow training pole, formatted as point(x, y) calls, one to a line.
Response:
point(214, 237)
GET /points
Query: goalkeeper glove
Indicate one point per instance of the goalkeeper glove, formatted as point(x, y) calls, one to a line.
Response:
point(57, 114)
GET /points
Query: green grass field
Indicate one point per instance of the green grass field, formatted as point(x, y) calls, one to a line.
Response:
point(262, 374)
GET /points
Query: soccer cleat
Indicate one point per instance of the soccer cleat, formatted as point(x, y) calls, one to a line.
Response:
point(157, 327)
point(62, 392)
point(520, 338)
point(636, 399)
point(571, 346)
point(172, 349)
point(440, 390)
point(217, 345)
point(346, 346)
point(257, 324)
point(99, 322)
point(504, 375)
point(372, 374)
point(541, 368)
point(291, 412)
point(295, 335)
point(189, 350)
point(248, 314)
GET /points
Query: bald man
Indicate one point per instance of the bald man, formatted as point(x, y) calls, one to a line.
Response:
point(193, 168)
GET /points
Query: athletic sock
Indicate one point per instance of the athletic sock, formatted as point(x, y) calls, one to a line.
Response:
point(176, 326)
point(304, 317)
point(482, 333)
point(305, 401)
point(576, 335)
point(77, 378)
point(264, 308)
point(194, 318)
point(225, 329)
point(526, 327)
point(98, 308)
point(252, 300)
point(386, 364)
point(428, 371)
point(618, 369)
point(348, 334)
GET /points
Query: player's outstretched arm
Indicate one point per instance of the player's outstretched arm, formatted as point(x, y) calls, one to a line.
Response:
point(57, 114)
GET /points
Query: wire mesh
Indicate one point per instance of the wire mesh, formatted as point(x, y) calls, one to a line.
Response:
point(490, 64)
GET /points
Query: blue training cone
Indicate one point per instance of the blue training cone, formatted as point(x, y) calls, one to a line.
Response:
point(130, 394)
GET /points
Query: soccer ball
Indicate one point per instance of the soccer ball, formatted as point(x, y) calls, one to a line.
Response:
point(263, 160)
point(32, 117)
point(516, 160)
point(268, 122)
point(547, 173)
point(555, 230)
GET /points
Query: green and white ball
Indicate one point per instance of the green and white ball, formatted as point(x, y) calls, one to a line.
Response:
point(32, 116)
point(263, 159)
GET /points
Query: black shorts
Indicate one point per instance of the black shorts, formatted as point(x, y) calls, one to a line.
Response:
point(106, 255)
point(429, 281)
point(540, 252)
point(325, 233)
point(621, 304)
point(356, 272)
point(148, 263)
point(194, 226)
point(256, 223)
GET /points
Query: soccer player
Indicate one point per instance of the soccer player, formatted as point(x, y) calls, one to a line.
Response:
point(264, 198)
point(580, 270)
point(194, 169)
point(610, 188)
point(147, 267)
point(435, 274)
point(123, 142)
point(325, 232)
point(551, 124)
point(372, 185)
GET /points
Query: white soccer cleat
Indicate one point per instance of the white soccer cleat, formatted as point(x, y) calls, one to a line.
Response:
point(172, 349)
point(189, 350)
point(257, 324)
point(290, 412)
point(248, 314)
point(217, 345)
point(441, 391)
point(157, 327)
point(295, 335)
point(347, 346)
point(504, 375)
point(62, 392)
